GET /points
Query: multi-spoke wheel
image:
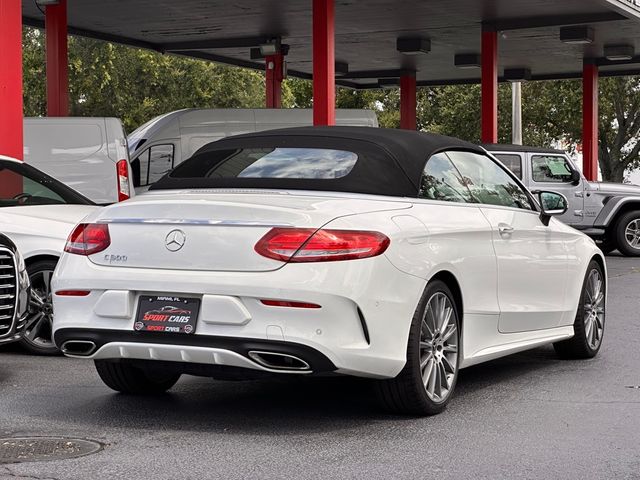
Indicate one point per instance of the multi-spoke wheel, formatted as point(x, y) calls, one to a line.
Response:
point(627, 234)
point(38, 332)
point(589, 323)
point(427, 381)
point(439, 347)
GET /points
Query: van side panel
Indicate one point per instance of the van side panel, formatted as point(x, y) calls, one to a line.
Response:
point(74, 151)
point(199, 127)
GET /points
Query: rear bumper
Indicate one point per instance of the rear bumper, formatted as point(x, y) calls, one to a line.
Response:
point(361, 329)
point(200, 349)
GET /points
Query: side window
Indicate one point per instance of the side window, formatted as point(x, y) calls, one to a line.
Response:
point(441, 181)
point(550, 168)
point(140, 168)
point(36, 189)
point(160, 162)
point(152, 164)
point(488, 182)
point(512, 161)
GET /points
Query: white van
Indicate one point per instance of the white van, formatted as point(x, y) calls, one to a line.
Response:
point(165, 141)
point(87, 154)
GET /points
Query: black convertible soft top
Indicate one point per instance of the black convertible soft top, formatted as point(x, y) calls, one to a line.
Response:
point(390, 161)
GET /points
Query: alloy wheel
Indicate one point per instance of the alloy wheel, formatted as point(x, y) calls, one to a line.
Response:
point(38, 329)
point(632, 233)
point(594, 309)
point(439, 347)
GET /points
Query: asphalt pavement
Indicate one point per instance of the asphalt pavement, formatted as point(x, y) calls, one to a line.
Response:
point(526, 416)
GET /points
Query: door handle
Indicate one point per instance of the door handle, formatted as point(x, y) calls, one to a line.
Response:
point(505, 229)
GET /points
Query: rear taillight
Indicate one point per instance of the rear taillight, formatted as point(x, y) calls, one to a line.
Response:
point(122, 171)
point(309, 245)
point(88, 238)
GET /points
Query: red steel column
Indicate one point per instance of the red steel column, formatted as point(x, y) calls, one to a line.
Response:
point(57, 60)
point(489, 87)
point(408, 102)
point(10, 92)
point(11, 78)
point(590, 120)
point(324, 89)
point(274, 75)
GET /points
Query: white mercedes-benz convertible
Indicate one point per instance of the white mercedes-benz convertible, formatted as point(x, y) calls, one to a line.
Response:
point(389, 254)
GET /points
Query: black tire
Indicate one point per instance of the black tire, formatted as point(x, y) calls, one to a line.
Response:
point(38, 338)
point(406, 394)
point(125, 377)
point(621, 239)
point(578, 346)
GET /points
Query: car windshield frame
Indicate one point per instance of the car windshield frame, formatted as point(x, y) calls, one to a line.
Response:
point(66, 193)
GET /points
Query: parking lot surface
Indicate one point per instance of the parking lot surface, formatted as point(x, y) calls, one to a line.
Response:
point(525, 416)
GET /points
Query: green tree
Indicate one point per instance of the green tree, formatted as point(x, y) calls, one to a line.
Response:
point(135, 85)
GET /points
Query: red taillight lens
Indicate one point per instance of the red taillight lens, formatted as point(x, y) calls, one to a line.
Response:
point(73, 293)
point(286, 303)
point(308, 245)
point(88, 238)
point(122, 172)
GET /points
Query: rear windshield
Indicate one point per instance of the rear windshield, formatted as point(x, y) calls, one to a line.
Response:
point(269, 162)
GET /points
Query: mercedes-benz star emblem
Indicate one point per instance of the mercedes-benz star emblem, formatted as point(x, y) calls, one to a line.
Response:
point(175, 240)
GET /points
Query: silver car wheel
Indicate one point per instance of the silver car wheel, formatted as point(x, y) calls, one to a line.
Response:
point(439, 347)
point(594, 310)
point(632, 233)
point(39, 324)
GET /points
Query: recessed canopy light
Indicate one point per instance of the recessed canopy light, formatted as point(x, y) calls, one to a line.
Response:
point(517, 74)
point(413, 46)
point(270, 48)
point(467, 60)
point(619, 52)
point(578, 35)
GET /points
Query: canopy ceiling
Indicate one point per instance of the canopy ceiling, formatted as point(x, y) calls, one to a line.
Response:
point(366, 33)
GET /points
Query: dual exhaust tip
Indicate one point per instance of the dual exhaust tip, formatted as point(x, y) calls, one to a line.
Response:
point(78, 348)
point(279, 361)
point(271, 360)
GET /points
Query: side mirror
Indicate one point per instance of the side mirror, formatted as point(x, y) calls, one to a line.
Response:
point(575, 177)
point(552, 204)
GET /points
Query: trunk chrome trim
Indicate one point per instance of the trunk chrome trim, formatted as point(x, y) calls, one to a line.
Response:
point(194, 221)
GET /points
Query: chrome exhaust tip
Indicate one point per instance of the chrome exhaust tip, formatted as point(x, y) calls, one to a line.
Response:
point(78, 348)
point(279, 361)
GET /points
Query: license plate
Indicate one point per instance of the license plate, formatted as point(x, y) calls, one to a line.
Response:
point(167, 314)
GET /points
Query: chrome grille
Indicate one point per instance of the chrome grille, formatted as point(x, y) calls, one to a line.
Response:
point(8, 291)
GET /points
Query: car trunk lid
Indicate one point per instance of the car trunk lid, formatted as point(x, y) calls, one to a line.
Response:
point(215, 231)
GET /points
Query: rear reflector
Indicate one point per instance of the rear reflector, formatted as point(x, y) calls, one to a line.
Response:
point(73, 293)
point(122, 171)
point(283, 303)
point(88, 238)
point(308, 245)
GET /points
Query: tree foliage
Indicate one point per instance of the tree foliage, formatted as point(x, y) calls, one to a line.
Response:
point(136, 85)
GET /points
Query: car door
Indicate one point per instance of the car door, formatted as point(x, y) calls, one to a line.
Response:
point(448, 228)
point(553, 172)
point(531, 257)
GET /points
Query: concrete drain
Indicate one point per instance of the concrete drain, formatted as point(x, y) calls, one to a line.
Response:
point(42, 449)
